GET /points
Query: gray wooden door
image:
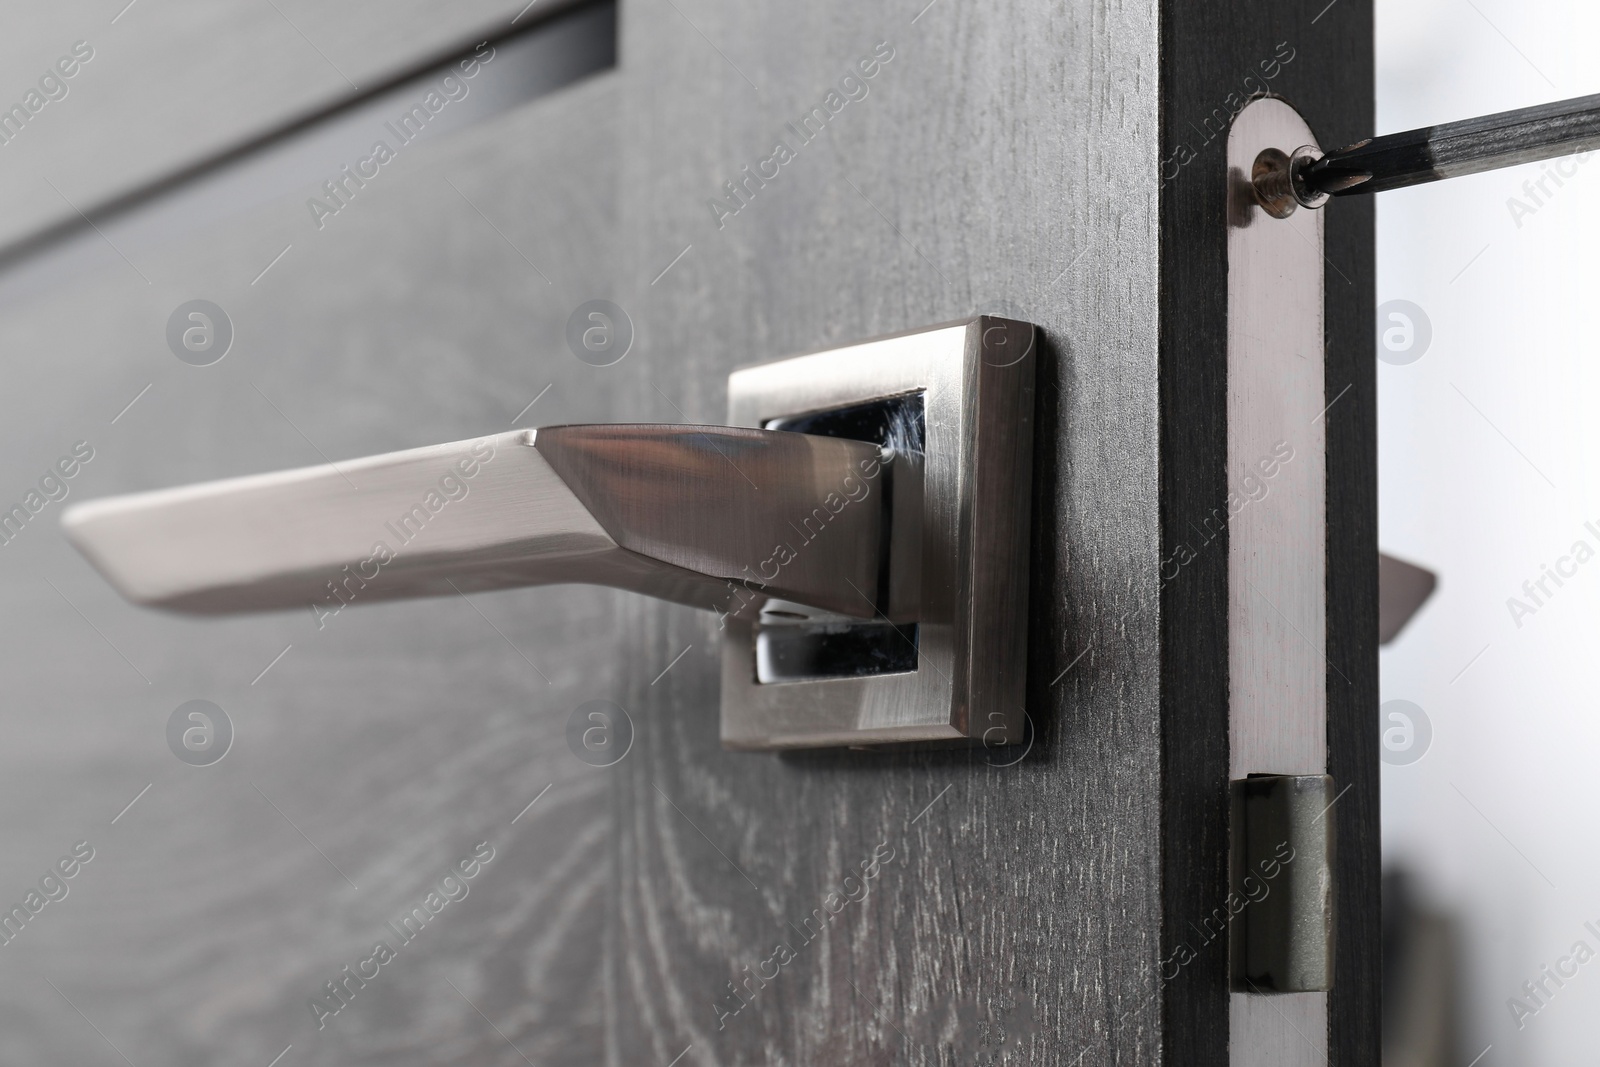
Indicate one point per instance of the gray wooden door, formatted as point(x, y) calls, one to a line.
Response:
point(683, 905)
point(1017, 158)
point(373, 753)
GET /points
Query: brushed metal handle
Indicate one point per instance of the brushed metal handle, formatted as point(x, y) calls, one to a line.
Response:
point(868, 552)
point(707, 516)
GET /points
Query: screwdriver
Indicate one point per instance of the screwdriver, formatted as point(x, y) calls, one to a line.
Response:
point(1308, 178)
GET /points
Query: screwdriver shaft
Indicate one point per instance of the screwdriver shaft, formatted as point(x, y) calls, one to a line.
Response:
point(1398, 160)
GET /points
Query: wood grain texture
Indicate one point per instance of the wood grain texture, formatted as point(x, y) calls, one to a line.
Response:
point(1002, 161)
point(380, 749)
point(1007, 159)
point(1208, 51)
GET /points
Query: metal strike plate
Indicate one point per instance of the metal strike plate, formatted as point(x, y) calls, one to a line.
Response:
point(1275, 520)
point(1281, 934)
point(944, 658)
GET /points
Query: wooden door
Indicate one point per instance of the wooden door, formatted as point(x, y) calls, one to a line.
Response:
point(746, 182)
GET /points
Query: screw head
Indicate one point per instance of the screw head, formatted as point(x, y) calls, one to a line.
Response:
point(1273, 184)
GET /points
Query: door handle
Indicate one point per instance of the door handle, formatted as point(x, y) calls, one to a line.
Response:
point(689, 514)
point(860, 528)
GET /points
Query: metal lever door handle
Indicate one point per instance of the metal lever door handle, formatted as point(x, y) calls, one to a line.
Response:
point(690, 514)
point(862, 527)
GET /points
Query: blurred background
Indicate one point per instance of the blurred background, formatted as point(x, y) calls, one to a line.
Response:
point(1489, 451)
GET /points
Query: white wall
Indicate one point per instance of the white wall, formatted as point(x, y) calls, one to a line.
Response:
point(1490, 468)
